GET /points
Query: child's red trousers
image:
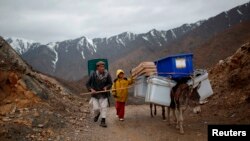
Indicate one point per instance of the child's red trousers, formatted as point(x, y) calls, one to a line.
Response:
point(120, 109)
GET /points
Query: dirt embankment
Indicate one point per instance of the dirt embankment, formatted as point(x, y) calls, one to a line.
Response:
point(34, 106)
point(230, 79)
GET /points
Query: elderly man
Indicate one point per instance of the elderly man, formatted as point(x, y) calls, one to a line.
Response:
point(100, 80)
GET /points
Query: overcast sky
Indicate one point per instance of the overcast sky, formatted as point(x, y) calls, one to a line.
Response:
point(57, 20)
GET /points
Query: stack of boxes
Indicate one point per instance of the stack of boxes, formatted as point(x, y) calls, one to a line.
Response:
point(144, 69)
point(140, 74)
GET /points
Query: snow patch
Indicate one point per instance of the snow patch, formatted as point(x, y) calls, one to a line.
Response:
point(91, 43)
point(116, 39)
point(80, 43)
point(82, 53)
point(66, 49)
point(120, 40)
point(52, 46)
point(152, 33)
point(164, 36)
point(130, 36)
point(239, 12)
point(21, 45)
point(88, 43)
point(226, 14)
point(198, 23)
point(145, 38)
point(174, 35)
point(188, 25)
point(159, 44)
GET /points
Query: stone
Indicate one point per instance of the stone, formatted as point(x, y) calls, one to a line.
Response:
point(29, 94)
point(77, 131)
point(13, 78)
point(12, 116)
point(40, 125)
point(7, 101)
point(13, 110)
point(26, 109)
point(5, 109)
point(67, 110)
point(36, 114)
point(36, 130)
point(86, 111)
point(19, 115)
point(58, 115)
point(6, 119)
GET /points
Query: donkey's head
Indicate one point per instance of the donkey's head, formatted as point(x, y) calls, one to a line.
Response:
point(188, 97)
point(194, 100)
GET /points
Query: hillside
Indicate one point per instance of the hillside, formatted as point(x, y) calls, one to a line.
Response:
point(222, 45)
point(31, 103)
point(206, 52)
point(230, 79)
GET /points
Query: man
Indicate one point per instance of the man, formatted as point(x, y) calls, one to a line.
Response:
point(100, 80)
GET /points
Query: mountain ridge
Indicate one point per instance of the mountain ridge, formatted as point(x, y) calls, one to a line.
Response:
point(67, 59)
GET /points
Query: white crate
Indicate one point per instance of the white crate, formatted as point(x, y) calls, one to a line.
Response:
point(140, 88)
point(204, 87)
point(159, 90)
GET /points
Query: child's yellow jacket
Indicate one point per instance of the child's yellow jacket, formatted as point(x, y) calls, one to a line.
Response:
point(121, 95)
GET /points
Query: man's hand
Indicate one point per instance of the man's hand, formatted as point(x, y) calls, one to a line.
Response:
point(105, 88)
point(93, 91)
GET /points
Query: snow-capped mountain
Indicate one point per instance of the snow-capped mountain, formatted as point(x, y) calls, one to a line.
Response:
point(67, 59)
point(21, 45)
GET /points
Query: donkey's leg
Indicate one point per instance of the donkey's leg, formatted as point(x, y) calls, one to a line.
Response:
point(155, 112)
point(163, 113)
point(181, 121)
point(177, 113)
point(151, 110)
point(174, 113)
point(168, 108)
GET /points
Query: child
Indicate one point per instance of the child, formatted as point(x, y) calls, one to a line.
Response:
point(121, 95)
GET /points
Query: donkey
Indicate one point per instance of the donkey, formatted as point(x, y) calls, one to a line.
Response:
point(183, 96)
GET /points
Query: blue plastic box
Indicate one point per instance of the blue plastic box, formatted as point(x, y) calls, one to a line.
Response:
point(176, 67)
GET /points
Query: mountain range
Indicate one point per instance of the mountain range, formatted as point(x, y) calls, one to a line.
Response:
point(68, 59)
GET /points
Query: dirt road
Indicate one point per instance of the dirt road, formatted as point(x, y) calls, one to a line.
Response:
point(139, 126)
